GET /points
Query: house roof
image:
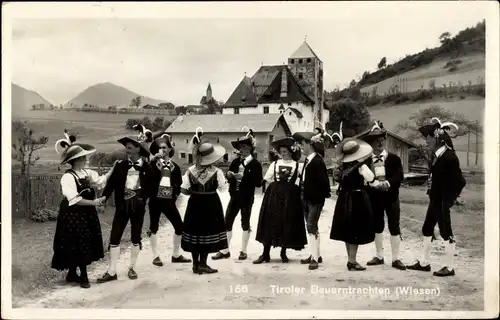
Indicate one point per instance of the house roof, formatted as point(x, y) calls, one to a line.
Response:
point(296, 111)
point(243, 95)
point(295, 93)
point(392, 134)
point(265, 87)
point(227, 123)
point(304, 51)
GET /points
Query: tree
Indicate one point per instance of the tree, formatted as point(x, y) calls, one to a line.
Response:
point(24, 144)
point(352, 84)
point(353, 115)
point(136, 102)
point(180, 110)
point(382, 63)
point(444, 37)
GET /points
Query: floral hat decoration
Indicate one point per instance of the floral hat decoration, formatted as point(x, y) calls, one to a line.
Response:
point(439, 130)
point(204, 152)
point(248, 139)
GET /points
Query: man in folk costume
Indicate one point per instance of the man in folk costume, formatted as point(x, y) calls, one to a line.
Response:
point(384, 195)
point(166, 187)
point(315, 188)
point(244, 175)
point(445, 185)
point(131, 183)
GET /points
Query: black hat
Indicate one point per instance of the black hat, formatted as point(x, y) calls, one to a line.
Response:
point(438, 130)
point(144, 137)
point(290, 144)
point(376, 131)
point(248, 139)
point(160, 137)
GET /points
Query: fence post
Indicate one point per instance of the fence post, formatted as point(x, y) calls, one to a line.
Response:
point(468, 147)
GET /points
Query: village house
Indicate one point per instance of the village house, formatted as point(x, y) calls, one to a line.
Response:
point(223, 129)
point(295, 90)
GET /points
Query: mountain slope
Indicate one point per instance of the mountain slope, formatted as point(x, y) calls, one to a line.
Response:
point(108, 94)
point(23, 99)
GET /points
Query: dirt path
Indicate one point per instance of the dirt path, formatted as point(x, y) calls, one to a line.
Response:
point(176, 287)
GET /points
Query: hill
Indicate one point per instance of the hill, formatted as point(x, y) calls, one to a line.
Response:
point(107, 94)
point(23, 99)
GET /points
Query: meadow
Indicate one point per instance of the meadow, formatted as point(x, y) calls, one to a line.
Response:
point(471, 69)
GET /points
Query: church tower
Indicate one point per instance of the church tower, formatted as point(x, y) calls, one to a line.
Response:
point(209, 92)
point(308, 70)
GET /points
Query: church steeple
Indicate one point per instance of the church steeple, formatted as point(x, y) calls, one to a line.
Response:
point(209, 92)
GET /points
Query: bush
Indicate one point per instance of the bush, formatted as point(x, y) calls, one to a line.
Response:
point(452, 69)
point(158, 124)
point(479, 91)
point(44, 215)
point(423, 95)
point(402, 98)
point(106, 159)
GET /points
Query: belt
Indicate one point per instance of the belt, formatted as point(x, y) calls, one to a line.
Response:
point(203, 192)
point(129, 194)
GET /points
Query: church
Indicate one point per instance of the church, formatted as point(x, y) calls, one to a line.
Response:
point(294, 90)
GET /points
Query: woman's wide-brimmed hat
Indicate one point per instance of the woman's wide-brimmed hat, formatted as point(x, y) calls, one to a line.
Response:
point(205, 153)
point(248, 139)
point(160, 137)
point(283, 142)
point(144, 137)
point(438, 130)
point(375, 132)
point(72, 150)
point(351, 150)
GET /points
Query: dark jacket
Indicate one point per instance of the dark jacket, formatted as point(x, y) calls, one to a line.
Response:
point(315, 181)
point(175, 180)
point(116, 182)
point(394, 174)
point(447, 180)
point(252, 178)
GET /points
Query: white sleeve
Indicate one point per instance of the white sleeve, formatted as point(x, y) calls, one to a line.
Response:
point(69, 190)
point(269, 176)
point(366, 173)
point(222, 185)
point(186, 184)
point(98, 181)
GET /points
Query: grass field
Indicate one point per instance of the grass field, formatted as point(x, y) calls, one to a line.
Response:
point(99, 129)
point(471, 68)
point(472, 109)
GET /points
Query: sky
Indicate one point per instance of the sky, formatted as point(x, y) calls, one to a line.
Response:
point(174, 59)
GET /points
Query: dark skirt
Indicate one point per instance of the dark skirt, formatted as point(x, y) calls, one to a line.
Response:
point(204, 230)
point(353, 218)
point(281, 219)
point(78, 239)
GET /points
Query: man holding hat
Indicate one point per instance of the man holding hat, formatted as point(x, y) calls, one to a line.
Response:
point(166, 188)
point(244, 175)
point(315, 188)
point(384, 195)
point(131, 182)
point(446, 183)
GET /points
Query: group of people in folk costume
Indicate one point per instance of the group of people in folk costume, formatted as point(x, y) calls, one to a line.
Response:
point(369, 180)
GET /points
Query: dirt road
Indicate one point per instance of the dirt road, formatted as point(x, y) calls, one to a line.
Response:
point(242, 285)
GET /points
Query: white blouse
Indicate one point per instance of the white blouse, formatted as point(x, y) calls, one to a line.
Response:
point(367, 174)
point(69, 188)
point(222, 185)
point(269, 176)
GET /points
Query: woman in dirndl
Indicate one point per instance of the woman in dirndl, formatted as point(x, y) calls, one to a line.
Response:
point(353, 218)
point(204, 229)
point(78, 238)
point(281, 219)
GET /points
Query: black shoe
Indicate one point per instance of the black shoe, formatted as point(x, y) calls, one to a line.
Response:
point(180, 259)
point(284, 258)
point(196, 270)
point(417, 266)
point(398, 265)
point(70, 278)
point(85, 283)
point(242, 256)
point(355, 267)
point(320, 259)
point(132, 274)
point(206, 269)
point(219, 255)
point(444, 272)
point(157, 262)
point(313, 265)
point(375, 261)
point(261, 259)
point(308, 260)
point(107, 277)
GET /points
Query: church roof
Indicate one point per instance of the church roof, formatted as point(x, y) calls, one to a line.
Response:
point(304, 51)
point(295, 93)
point(209, 87)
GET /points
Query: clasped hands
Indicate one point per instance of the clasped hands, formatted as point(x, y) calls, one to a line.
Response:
point(380, 185)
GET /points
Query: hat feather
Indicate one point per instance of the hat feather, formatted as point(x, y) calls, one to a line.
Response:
point(66, 142)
